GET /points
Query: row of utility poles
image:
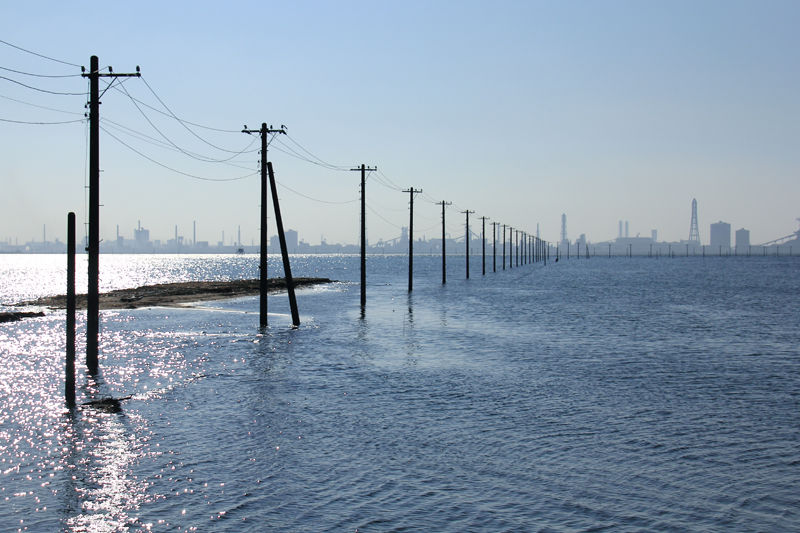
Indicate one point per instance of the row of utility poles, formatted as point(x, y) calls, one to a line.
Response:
point(533, 248)
point(267, 180)
point(93, 239)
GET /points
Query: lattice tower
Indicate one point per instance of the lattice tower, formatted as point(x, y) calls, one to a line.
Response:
point(694, 231)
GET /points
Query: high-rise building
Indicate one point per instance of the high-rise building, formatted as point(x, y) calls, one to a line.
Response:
point(720, 235)
point(564, 228)
point(742, 239)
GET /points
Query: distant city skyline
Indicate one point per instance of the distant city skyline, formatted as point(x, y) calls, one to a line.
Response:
point(519, 111)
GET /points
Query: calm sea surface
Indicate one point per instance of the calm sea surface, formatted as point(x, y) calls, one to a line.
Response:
point(588, 395)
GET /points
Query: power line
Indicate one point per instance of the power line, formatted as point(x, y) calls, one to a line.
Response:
point(41, 90)
point(159, 143)
point(42, 123)
point(40, 106)
point(185, 152)
point(321, 161)
point(41, 75)
point(129, 147)
point(173, 115)
point(38, 54)
point(377, 214)
point(316, 199)
point(182, 122)
point(288, 150)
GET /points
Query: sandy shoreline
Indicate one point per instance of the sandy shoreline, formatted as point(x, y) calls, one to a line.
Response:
point(174, 294)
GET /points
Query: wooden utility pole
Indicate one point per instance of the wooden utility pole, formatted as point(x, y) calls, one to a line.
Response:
point(264, 132)
point(411, 191)
point(510, 247)
point(467, 212)
point(93, 246)
point(69, 369)
point(494, 246)
point(444, 255)
point(483, 239)
point(504, 246)
point(363, 169)
point(287, 267)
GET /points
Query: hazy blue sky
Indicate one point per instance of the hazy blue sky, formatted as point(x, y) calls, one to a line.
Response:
point(520, 111)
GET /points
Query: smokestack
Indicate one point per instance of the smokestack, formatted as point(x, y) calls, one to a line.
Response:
point(620, 230)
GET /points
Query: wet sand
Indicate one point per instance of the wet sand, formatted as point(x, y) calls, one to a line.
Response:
point(174, 294)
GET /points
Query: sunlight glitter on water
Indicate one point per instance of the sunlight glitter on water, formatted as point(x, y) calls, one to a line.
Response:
point(575, 398)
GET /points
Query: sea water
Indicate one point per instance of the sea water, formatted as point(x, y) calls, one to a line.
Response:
point(585, 395)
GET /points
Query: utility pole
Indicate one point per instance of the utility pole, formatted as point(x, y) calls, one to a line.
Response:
point(411, 191)
point(483, 238)
point(494, 246)
point(510, 247)
point(364, 170)
point(264, 132)
point(444, 263)
point(287, 267)
point(93, 246)
point(467, 212)
point(504, 246)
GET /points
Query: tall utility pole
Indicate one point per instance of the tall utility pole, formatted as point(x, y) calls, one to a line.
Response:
point(467, 212)
point(411, 191)
point(494, 246)
point(504, 246)
point(93, 246)
point(510, 247)
point(483, 238)
point(264, 132)
point(364, 170)
point(444, 261)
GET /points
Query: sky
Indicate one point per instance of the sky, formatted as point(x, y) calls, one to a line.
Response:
point(517, 110)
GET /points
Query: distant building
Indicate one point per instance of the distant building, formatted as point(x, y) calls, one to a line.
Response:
point(291, 240)
point(742, 239)
point(654, 235)
point(720, 235)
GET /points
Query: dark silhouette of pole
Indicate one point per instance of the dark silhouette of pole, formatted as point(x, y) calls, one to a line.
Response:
point(510, 247)
point(483, 241)
point(262, 286)
point(524, 248)
point(494, 246)
point(411, 191)
point(504, 246)
point(287, 268)
point(363, 237)
point(69, 370)
point(93, 246)
point(363, 169)
point(467, 212)
point(444, 255)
